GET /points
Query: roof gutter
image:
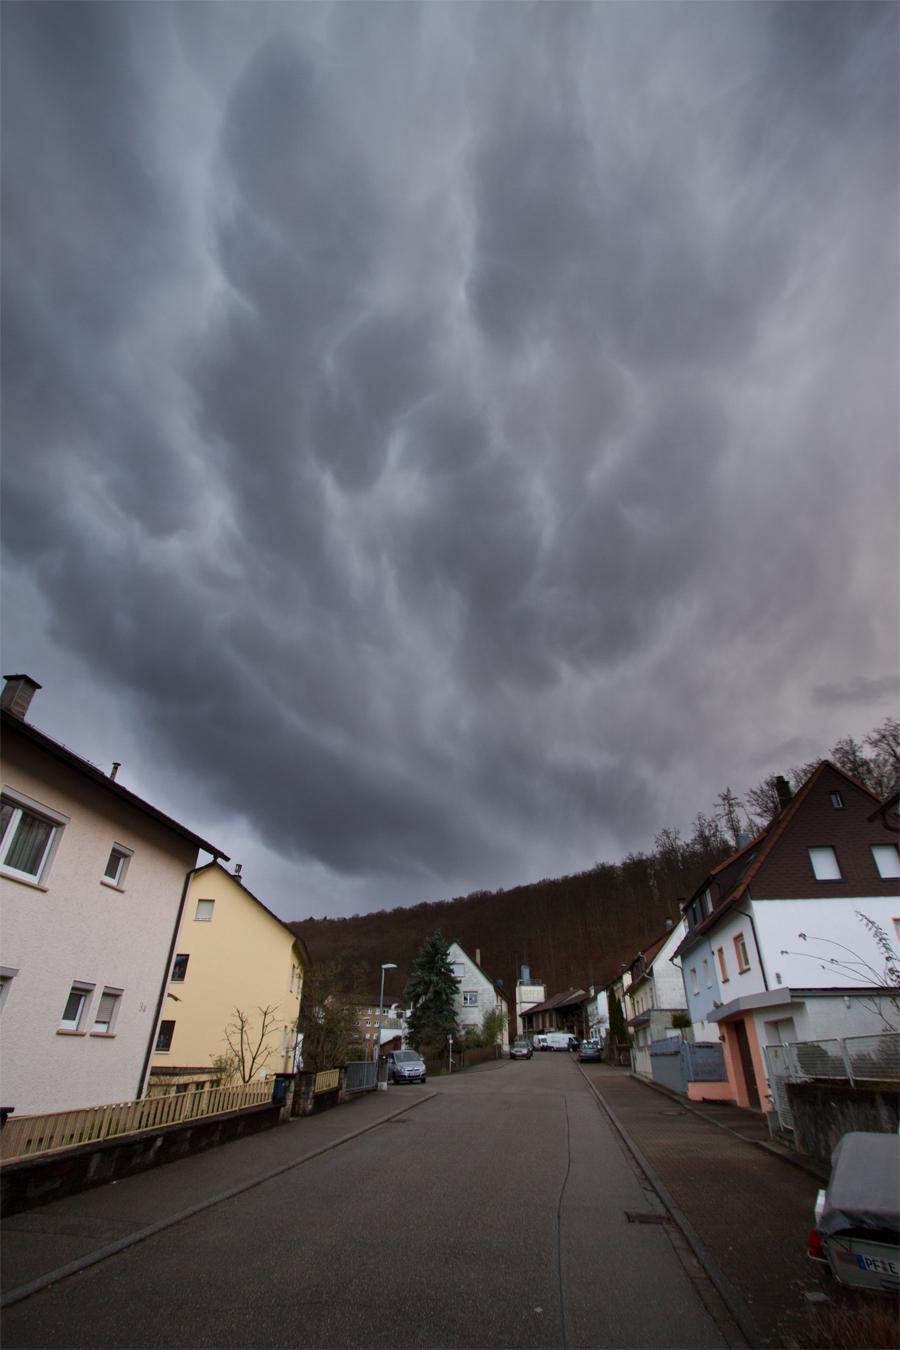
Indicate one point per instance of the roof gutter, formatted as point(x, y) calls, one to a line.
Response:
point(166, 973)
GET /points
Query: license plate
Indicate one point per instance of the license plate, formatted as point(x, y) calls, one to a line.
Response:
point(877, 1264)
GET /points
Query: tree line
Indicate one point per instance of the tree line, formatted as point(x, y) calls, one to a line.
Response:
point(575, 931)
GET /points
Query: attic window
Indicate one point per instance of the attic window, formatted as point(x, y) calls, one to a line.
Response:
point(204, 910)
point(825, 864)
point(837, 801)
point(887, 860)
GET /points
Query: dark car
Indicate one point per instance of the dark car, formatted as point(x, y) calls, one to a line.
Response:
point(520, 1050)
point(590, 1050)
point(405, 1066)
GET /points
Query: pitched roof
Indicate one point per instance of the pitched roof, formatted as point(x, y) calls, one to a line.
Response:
point(11, 723)
point(735, 874)
point(558, 1001)
point(454, 942)
point(256, 900)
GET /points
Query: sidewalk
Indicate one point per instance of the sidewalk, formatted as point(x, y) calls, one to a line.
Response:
point(752, 1209)
point(45, 1239)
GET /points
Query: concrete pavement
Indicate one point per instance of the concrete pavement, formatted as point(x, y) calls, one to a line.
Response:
point(493, 1214)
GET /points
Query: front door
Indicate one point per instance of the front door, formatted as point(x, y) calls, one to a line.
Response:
point(743, 1041)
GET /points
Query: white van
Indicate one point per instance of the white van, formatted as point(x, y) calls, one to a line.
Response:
point(555, 1040)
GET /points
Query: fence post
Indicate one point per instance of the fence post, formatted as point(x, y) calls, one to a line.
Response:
point(846, 1059)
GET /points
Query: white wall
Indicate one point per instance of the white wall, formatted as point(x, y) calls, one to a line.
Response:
point(831, 927)
point(77, 929)
point(473, 981)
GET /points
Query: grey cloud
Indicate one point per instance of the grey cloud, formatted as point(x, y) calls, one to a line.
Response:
point(462, 436)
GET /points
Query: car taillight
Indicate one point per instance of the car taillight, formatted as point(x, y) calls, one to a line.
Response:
point(814, 1246)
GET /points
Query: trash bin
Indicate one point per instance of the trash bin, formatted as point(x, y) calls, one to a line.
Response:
point(280, 1087)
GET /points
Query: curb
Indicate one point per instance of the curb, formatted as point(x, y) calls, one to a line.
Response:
point(808, 1165)
point(749, 1327)
point(113, 1248)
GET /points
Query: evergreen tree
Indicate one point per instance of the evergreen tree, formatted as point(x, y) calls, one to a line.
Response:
point(431, 996)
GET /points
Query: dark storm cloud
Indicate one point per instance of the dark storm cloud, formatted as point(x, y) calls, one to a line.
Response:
point(460, 435)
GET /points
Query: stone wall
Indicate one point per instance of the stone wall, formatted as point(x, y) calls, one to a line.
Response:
point(824, 1113)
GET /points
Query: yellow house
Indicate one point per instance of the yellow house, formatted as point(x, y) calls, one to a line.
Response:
point(234, 989)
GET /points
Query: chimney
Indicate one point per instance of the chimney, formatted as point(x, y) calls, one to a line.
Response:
point(237, 870)
point(18, 692)
point(743, 839)
point(478, 956)
point(783, 788)
point(117, 764)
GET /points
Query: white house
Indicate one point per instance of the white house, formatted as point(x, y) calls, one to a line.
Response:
point(478, 993)
point(93, 881)
point(596, 1014)
point(654, 995)
point(779, 944)
point(528, 994)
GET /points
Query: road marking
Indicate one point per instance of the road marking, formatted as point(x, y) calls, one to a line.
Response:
point(113, 1248)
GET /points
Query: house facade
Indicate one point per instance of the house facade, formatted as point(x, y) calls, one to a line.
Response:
point(596, 1015)
point(235, 961)
point(563, 1012)
point(478, 993)
point(93, 881)
point(528, 993)
point(780, 944)
point(655, 994)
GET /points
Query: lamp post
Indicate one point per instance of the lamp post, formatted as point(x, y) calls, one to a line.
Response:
point(390, 966)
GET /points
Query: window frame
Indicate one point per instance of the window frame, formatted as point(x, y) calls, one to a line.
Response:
point(723, 969)
point(55, 819)
point(125, 855)
point(179, 979)
point(79, 1029)
point(165, 1022)
point(458, 966)
point(837, 801)
point(7, 975)
point(470, 998)
point(695, 983)
point(116, 996)
point(895, 852)
point(742, 953)
point(821, 850)
point(204, 918)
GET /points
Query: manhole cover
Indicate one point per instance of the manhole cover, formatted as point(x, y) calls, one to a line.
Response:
point(646, 1218)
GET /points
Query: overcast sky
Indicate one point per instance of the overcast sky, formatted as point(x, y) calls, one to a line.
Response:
point(446, 443)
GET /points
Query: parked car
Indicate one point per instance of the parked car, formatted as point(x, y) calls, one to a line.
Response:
point(857, 1220)
point(405, 1066)
point(520, 1050)
point(590, 1050)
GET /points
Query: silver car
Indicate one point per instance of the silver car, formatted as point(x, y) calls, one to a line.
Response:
point(405, 1066)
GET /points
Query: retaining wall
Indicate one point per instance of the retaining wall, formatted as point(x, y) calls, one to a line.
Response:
point(824, 1113)
point(28, 1182)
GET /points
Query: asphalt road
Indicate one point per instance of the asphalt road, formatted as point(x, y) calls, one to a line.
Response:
point(492, 1214)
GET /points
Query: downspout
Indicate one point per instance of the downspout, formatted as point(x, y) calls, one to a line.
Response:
point(176, 931)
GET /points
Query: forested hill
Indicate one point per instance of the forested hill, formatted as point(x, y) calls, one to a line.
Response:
point(572, 931)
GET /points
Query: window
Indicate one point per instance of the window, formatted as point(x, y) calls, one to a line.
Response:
point(204, 911)
point(887, 860)
point(26, 836)
point(470, 1000)
point(293, 973)
point(164, 1037)
point(708, 901)
point(837, 801)
point(179, 969)
point(825, 864)
point(76, 1007)
point(743, 959)
point(695, 987)
point(117, 866)
point(7, 975)
point(458, 969)
point(107, 1008)
point(368, 1021)
point(707, 975)
point(722, 966)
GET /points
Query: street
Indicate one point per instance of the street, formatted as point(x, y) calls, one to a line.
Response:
point(491, 1211)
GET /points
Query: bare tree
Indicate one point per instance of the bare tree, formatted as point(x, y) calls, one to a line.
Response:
point(247, 1048)
point(329, 1014)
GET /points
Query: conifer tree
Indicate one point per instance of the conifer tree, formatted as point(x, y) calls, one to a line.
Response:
point(431, 996)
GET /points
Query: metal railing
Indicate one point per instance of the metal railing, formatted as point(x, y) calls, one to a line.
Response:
point(361, 1074)
point(852, 1059)
point(326, 1080)
point(29, 1135)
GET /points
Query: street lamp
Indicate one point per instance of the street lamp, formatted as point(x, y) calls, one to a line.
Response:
point(390, 966)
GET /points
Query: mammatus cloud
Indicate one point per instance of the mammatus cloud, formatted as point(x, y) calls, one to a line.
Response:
point(460, 438)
